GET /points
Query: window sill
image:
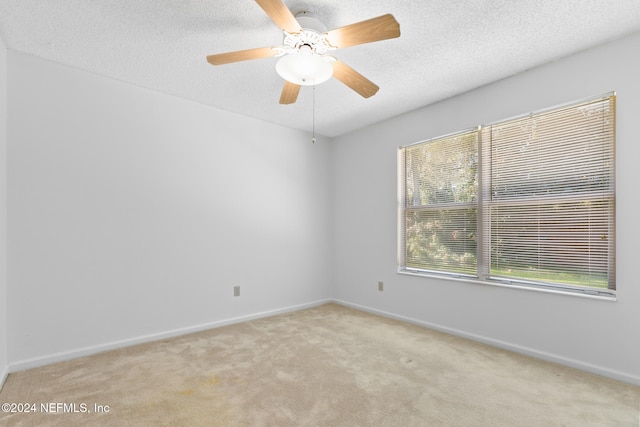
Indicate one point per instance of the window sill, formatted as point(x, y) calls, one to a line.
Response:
point(514, 286)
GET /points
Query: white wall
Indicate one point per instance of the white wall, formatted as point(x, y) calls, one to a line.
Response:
point(134, 213)
point(3, 212)
point(601, 336)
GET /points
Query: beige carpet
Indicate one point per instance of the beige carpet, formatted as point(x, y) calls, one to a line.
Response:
point(325, 366)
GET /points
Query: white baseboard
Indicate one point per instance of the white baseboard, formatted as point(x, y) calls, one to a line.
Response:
point(86, 351)
point(3, 376)
point(572, 363)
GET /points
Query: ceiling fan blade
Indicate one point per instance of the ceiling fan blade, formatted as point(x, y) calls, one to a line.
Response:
point(241, 55)
point(354, 79)
point(289, 93)
point(281, 15)
point(381, 28)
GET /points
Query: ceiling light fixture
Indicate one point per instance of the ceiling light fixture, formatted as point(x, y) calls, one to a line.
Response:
point(304, 60)
point(305, 68)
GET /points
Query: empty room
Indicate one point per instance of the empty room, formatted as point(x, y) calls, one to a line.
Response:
point(319, 213)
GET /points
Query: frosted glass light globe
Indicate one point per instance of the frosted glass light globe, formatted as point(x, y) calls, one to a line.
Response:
point(304, 68)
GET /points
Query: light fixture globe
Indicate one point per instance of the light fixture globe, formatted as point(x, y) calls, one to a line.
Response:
point(305, 68)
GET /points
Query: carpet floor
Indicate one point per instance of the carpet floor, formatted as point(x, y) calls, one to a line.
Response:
point(324, 366)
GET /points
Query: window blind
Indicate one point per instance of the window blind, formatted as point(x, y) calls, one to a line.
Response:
point(548, 185)
point(528, 200)
point(440, 210)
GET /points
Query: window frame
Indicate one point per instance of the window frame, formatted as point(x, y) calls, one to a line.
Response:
point(482, 205)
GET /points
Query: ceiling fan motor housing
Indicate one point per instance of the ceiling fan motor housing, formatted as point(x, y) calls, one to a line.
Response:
point(309, 21)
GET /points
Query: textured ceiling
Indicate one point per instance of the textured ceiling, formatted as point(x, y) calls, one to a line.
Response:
point(446, 47)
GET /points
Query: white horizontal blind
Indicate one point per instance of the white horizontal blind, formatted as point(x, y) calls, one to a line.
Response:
point(549, 191)
point(527, 201)
point(439, 184)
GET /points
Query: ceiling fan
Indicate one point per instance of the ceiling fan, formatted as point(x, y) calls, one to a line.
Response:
point(304, 59)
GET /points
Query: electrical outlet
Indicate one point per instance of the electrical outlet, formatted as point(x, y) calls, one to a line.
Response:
point(236, 291)
point(381, 286)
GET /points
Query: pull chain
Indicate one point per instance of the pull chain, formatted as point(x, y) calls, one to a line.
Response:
point(313, 115)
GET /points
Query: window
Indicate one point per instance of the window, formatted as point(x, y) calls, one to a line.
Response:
point(527, 201)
